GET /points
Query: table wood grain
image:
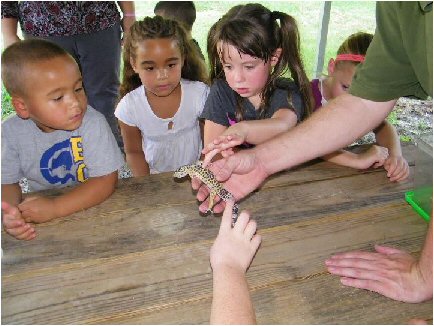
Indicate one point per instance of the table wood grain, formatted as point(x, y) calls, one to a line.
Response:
point(142, 256)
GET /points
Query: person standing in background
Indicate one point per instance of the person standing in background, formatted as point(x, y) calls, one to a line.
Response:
point(91, 31)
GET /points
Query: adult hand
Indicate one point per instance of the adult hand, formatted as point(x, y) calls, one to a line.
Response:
point(14, 224)
point(38, 209)
point(389, 271)
point(234, 248)
point(241, 173)
point(397, 168)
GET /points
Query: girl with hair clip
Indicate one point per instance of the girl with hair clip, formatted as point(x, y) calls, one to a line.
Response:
point(250, 48)
point(163, 93)
point(341, 71)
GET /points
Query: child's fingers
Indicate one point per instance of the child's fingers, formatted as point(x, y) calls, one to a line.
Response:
point(226, 222)
point(20, 232)
point(250, 229)
point(401, 175)
point(209, 156)
point(10, 222)
point(256, 241)
point(392, 168)
point(242, 221)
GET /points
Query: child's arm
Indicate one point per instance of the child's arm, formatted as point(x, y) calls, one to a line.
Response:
point(258, 131)
point(375, 156)
point(135, 157)
point(251, 131)
point(231, 255)
point(12, 221)
point(90, 193)
point(395, 165)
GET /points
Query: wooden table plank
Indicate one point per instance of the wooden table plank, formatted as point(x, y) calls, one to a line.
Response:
point(143, 255)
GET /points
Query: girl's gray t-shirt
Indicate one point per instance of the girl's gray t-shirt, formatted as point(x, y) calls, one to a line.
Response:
point(220, 106)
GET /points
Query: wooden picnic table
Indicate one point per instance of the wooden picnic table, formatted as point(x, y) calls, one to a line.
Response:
point(142, 257)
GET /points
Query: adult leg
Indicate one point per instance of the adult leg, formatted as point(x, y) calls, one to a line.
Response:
point(99, 55)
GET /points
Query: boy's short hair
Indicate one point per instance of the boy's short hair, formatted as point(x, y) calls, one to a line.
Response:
point(181, 11)
point(16, 57)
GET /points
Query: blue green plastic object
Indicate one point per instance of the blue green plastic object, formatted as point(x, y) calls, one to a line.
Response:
point(409, 197)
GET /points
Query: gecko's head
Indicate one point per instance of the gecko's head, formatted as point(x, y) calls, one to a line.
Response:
point(181, 172)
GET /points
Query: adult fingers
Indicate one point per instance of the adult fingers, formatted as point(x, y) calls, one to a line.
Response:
point(388, 250)
point(356, 255)
point(195, 183)
point(356, 273)
point(371, 285)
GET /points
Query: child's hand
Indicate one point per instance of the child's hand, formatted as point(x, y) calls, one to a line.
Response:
point(38, 209)
point(235, 247)
point(397, 168)
point(375, 156)
point(223, 144)
point(14, 224)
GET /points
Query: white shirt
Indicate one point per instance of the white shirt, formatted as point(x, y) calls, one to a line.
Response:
point(167, 149)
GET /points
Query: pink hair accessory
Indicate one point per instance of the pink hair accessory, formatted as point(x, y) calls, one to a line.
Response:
point(350, 57)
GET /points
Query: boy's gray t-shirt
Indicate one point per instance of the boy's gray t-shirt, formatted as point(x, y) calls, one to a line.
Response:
point(220, 106)
point(59, 158)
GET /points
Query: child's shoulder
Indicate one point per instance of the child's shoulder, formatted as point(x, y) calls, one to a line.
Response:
point(193, 84)
point(286, 84)
point(194, 88)
point(14, 124)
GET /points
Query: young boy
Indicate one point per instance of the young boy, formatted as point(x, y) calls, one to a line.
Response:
point(183, 12)
point(55, 140)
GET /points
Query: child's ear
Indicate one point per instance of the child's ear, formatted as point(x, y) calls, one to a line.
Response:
point(331, 66)
point(276, 56)
point(133, 65)
point(20, 107)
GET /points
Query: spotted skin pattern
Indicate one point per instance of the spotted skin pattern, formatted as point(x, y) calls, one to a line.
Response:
point(207, 177)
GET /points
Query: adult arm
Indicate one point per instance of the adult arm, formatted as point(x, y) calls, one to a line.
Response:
point(9, 31)
point(335, 126)
point(128, 15)
point(230, 257)
point(389, 271)
point(90, 193)
point(135, 157)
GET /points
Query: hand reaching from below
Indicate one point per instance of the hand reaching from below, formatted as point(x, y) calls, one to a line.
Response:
point(235, 247)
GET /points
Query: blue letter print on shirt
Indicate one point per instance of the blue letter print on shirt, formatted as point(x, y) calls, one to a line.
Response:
point(57, 163)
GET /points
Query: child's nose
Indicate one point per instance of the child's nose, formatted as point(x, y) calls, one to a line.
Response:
point(162, 73)
point(238, 75)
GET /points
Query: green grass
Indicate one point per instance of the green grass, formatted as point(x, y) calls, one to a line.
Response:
point(346, 17)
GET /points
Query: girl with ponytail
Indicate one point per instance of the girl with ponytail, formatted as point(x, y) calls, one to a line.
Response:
point(250, 49)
